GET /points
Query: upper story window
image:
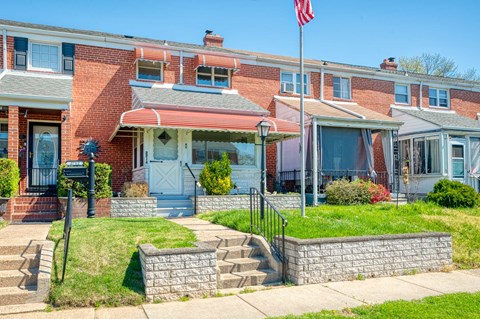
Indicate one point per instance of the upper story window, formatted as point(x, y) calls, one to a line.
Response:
point(402, 94)
point(438, 97)
point(290, 83)
point(341, 88)
point(210, 76)
point(149, 70)
point(45, 57)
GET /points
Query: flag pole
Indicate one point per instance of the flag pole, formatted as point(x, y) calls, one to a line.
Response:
point(302, 130)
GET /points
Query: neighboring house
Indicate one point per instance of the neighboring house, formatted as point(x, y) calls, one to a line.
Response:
point(156, 105)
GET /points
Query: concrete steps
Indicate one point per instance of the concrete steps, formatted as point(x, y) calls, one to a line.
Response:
point(26, 261)
point(402, 198)
point(34, 217)
point(16, 295)
point(240, 263)
point(170, 206)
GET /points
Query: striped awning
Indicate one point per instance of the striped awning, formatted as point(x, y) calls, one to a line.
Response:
point(204, 121)
point(217, 62)
point(153, 55)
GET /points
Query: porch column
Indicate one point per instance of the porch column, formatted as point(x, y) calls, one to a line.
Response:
point(66, 136)
point(315, 161)
point(13, 131)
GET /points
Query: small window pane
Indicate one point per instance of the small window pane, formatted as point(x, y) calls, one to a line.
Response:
point(204, 69)
point(204, 79)
point(443, 102)
point(419, 156)
point(221, 81)
point(220, 71)
point(401, 89)
point(149, 74)
point(457, 151)
point(433, 101)
point(287, 77)
point(401, 98)
point(442, 94)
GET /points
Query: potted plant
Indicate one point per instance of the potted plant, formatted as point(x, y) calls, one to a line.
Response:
point(9, 179)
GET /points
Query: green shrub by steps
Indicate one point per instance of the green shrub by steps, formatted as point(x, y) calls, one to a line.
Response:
point(453, 194)
point(9, 177)
point(343, 192)
point(103, 188)
point(215, 176)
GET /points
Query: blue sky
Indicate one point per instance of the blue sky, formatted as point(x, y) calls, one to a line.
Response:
point(351, 31)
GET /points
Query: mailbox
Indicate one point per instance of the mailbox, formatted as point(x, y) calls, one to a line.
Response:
point(75, 170)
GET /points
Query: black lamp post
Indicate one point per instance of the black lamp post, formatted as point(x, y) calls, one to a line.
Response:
point(263, 128)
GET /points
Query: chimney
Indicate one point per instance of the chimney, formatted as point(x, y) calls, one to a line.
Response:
point(212, 40)
point(389, 64)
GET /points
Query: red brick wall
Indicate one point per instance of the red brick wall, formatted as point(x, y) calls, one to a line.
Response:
point(466, 103)
point(101, 93)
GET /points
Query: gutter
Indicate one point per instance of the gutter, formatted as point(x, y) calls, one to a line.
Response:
point(420, 105)
point(338, 107)
point(4, 46)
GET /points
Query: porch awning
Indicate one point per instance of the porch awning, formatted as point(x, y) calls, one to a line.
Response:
point(217, 62)
point(204, 121)
point(153, 55)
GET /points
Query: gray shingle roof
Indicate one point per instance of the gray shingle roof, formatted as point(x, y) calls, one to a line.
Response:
point(447, 120)
point(181, 97)
point(42, 86)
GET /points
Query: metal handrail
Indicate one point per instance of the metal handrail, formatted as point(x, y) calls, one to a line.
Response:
point(270, 224)
point(196, 184)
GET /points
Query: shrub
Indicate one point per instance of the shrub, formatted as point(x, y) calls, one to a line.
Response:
point(343, 192)
point(215, 176)
point(453, 194)
point(9, 177)
point(103, 188)
point(135, 189)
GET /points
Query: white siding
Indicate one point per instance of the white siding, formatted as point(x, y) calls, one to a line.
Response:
point(412, 125)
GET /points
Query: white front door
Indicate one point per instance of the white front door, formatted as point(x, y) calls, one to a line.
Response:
point(165, 166)
point(457, 161)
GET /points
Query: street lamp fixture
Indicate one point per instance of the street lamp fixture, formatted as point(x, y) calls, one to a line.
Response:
point(263, 128)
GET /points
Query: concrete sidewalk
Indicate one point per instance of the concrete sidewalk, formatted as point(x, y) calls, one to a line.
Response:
point(287, 300)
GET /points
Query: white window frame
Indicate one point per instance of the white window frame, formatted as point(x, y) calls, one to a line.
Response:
point(349, 87)
point(212, 77)
point(295, 84)
point(408, 93)
point(162, 64)
point(425, 159)
point(139, 137)
point(438, 98)
point(30, 57)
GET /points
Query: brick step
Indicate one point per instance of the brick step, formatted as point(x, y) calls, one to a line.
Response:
point(35, 207)
point(21, 250)
point(35, 200)
point(34, 217)
point(16, 295)
point(248, 278)
point(25, 261)
point(235, 252)
point(18, 278)
point(242, 264)
point(230, 241)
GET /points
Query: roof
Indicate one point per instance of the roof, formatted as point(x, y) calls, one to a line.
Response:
point(338, 110)
point(23, 85)
point(181, 96)
point(444, 119)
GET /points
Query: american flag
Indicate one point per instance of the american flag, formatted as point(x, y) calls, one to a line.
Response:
point(304, 11)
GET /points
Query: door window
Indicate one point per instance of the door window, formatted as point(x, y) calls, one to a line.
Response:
point(458, 161)
point(165, 144)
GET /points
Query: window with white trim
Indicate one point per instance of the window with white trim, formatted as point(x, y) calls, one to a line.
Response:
point(150, 70)
point(438, 97)
point(45, 57)
point(289, 85)
point(3, 140)
point(421, 155)
point(402, 94)
point(341, 88)
point(210, 76)
point(138, 159)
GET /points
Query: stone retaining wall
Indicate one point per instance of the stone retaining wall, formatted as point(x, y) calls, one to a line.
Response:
point(169, 274)
point(335, 259)
point(210, 203)
point(133, 207)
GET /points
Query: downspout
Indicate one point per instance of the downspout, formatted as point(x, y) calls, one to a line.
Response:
point(315, 161)
point(4, 46)
point(181, 67)
point(322, 81)
point(420, 105)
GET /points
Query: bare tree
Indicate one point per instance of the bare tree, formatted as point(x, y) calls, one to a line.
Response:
point(435, 64)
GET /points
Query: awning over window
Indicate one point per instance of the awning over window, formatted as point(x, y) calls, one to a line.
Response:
point(217, 62)
point(205, 121)
point(152, 55)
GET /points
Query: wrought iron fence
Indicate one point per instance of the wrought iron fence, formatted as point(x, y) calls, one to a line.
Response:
point(270, 224)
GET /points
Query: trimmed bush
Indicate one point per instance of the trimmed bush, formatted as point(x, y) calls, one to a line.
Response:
point(343, 192)
point(215, 176)
point(103, 188)
point(453, 194)
point(9, 177)
point(135, 189)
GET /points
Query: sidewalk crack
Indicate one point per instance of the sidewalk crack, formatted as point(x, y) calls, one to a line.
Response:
point(263, 313)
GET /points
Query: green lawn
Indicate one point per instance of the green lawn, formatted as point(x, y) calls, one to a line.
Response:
point(340, 221)
point(453, 306)
point(103, 266)
point(3, 224)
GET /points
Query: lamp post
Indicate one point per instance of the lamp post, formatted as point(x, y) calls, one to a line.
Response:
point(263, 128)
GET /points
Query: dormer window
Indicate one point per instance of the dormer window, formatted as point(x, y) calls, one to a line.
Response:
point(209, 76)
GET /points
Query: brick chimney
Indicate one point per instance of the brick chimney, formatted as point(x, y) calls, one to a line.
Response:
point(212, 40)
point(389, 64)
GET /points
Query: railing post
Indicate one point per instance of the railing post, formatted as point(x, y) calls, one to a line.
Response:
point(251, 211)
point(195, 193)
point(284, 259)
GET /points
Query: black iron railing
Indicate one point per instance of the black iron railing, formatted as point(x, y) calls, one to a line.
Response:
point(270, 224)
point(40, 182)
point(196, 184)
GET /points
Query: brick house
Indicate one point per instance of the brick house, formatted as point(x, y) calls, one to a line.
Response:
point(156, 105)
